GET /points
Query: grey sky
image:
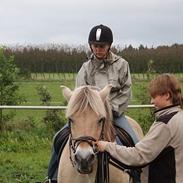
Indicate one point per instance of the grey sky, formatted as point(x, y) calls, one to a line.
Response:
point(147, 22)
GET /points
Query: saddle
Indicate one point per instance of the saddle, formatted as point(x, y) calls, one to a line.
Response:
point(122, 138)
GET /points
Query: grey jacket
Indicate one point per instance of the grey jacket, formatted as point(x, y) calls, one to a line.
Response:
point(162, 147)
point(114, 70)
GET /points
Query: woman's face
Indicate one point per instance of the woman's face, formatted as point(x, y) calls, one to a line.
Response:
point(100, 51)
point(161, 101)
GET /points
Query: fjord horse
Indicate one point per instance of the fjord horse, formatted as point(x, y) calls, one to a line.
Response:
point(89, 117)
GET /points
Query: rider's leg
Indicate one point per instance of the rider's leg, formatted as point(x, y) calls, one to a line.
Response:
point(122, 122)
point(53, 165)
point(54, 160)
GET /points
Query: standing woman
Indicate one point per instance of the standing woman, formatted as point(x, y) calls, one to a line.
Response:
point(162, 147)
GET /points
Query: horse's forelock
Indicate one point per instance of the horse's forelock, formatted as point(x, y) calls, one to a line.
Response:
point(84, 97)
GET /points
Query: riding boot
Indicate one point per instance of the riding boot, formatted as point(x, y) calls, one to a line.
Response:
point(59, 141)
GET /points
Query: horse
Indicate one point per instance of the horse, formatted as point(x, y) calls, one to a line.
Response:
point(90, 119)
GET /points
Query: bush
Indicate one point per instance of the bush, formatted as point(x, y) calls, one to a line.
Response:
point(54, 119)
point(145, 118)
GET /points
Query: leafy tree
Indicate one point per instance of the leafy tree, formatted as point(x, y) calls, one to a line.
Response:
point(8, 88)
point(54, 119)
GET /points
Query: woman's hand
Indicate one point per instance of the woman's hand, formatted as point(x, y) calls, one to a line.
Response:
point(101, 145)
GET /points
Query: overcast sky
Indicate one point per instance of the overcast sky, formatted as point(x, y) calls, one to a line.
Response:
point(135, 22)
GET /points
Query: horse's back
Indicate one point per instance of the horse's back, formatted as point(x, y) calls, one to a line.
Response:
point(136, 127)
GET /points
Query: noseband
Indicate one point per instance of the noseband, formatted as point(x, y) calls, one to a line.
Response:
point(74, 142)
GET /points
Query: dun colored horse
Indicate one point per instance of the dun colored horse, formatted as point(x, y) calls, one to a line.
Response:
point(90, 119)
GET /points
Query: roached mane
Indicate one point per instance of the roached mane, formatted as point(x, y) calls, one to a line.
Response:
point(88, 96)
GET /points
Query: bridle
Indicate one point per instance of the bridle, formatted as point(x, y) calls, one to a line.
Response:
point(74, 142)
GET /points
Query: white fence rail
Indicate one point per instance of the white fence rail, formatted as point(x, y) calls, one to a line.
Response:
point(60, 107)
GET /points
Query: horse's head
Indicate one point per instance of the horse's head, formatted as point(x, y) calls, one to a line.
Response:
point(90, 119)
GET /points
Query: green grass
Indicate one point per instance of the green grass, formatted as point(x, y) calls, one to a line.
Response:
point(24, 156)
point(24, 167)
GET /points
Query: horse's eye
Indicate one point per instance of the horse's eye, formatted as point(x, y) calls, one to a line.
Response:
point(70, 120)
point(101, 120)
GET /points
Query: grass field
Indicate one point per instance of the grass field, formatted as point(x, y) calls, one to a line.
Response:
point(25, 146)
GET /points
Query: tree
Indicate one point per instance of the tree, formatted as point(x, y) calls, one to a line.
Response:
point(54, 119)
point(8, 88)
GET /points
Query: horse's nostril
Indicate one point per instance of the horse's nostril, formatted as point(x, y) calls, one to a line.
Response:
point(91, 158)
point(77, 158)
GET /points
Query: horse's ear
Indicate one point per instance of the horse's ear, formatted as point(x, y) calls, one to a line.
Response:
point(67, 93)
point(105, 91)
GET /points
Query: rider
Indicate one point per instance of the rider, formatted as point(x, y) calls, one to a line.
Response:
point(102, 68)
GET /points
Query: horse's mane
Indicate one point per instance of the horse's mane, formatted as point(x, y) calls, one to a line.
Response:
point(88, 96)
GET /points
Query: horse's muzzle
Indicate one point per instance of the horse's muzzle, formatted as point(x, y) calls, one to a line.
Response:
point(84, 162)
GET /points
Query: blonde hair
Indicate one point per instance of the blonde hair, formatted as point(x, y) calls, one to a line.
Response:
point(167, 83)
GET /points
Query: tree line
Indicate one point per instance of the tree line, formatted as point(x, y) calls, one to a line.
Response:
point(62, 58)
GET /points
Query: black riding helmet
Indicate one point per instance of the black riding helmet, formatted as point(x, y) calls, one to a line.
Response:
point(100, 34)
